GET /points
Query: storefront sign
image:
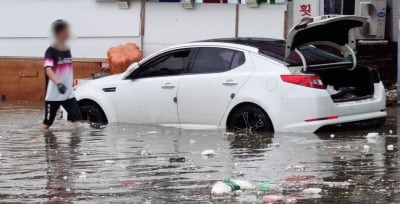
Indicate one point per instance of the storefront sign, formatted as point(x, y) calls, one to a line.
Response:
point(306, 8)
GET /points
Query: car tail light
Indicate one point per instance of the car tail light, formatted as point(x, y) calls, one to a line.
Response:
point(312, 81)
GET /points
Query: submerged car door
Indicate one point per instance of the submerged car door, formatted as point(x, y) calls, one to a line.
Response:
point(149, 94)
point(213, 79)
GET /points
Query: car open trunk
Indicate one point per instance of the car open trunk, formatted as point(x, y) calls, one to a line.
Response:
point(348, 85)
point(340, 74)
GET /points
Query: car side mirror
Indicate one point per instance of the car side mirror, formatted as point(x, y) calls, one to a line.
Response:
point(132, 68)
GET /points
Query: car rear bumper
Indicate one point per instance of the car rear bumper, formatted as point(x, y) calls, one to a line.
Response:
point(308, 110)
point(320, 125)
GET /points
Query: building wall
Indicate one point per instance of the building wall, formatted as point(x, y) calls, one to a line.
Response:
point(168, 23)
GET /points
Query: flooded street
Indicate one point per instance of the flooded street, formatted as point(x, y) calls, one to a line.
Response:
point(125, 163)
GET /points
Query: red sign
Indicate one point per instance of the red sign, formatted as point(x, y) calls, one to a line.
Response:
point(305, 9)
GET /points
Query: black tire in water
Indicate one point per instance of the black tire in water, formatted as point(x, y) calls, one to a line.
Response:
point(249, 119)
point(92, 113)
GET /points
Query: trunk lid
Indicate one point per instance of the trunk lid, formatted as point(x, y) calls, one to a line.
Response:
point(333, 31)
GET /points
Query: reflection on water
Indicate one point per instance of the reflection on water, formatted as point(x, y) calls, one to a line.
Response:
point(132, 164)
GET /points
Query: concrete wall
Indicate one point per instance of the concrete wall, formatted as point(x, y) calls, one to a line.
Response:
point(25, 26)
point(168, 23)
point(100, 25)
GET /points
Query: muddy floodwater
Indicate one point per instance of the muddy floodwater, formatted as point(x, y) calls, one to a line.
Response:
point(125, 163)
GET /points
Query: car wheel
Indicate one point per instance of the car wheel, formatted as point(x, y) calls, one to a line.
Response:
point(93, 113)
point(249, 119)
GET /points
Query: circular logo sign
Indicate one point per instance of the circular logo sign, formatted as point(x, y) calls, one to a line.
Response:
point(381, 14)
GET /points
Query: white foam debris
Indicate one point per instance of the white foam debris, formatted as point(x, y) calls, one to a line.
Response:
point(238, 173)
point(332, 136)
point(229, 134)
point(390, 131)
point(372, 134)
point(296, 168)
point(68, 189)
point(192, 141)
point(65, 177)
point(390, 147)
point(208, 152)
point(221, 189)
point(274, 145)
point(144, 153)
point(82, 175)
point(366, 148)
point(152, 132)
point(109, 161)
point(312, 191)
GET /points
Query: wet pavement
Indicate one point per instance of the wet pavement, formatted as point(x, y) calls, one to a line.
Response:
point(125, 163)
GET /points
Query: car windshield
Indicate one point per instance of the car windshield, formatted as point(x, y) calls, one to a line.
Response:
point(313, 55)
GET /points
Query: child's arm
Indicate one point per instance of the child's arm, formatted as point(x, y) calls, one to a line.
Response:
point(51, 75)
point(61, 87)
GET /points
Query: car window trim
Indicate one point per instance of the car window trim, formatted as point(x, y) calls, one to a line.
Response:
point(142, 66)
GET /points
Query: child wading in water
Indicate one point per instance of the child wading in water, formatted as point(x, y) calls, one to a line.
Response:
point(59, 78)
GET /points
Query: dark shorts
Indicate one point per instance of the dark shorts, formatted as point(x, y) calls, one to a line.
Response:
point(70, 105)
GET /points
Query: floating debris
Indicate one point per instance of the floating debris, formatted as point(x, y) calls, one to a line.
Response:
point(228, 186)
point(144, 153)
point(229, 134)
point(332, 136)
point(208, 152)
point(82, 175)
point(152, 132)
point(366, 148)
point(128, 182)
point(272, 198)
point(177, 159)
point(238, 173)
point(312, 191)
point(192, 141)
point(372, 134)
point(221, 189)
point(65, 177)
point(296, 168)
point(109, 161)
point(274, 145)
point(390, 147)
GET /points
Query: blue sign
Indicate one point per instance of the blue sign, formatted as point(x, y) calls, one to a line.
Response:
point(381, 14)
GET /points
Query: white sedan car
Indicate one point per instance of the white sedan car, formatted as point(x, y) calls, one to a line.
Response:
point(246, 84)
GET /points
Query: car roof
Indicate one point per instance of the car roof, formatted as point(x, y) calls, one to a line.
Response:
point(251, 44)
point(249, 41)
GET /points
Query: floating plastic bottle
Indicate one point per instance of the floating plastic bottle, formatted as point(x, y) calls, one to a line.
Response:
point(271, 188)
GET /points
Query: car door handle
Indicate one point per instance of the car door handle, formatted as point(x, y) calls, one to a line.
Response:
point(230, 82)
point(168, 86)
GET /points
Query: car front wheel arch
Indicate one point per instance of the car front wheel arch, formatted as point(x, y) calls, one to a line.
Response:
point(92, 112)
point(249, 117)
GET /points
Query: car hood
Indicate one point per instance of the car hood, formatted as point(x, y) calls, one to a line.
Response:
point(102, 82)
point(328, 29)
